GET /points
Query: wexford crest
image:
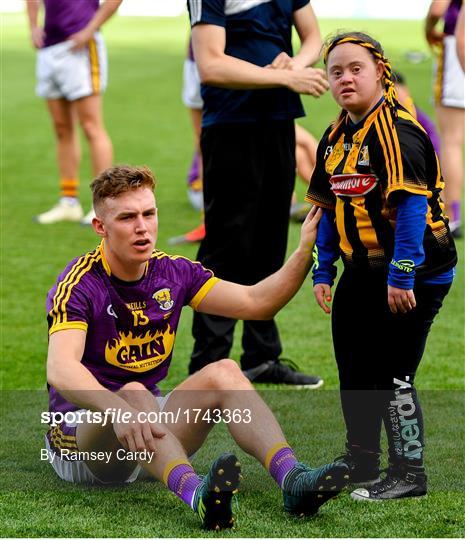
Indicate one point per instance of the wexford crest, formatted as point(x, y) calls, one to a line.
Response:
point(163, 297)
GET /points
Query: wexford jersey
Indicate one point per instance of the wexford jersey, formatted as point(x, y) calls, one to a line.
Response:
point(130, 327)
point(361, 170)
point(66, 17)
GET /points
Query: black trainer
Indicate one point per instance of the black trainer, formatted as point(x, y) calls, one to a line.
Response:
point(363, 467)
point(394, 486)
point(282, 371)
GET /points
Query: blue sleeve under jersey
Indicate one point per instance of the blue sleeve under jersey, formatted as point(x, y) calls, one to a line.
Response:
point(408, 244)
point(326, 250)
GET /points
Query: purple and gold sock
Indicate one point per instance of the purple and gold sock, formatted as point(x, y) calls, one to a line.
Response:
point(180, 478)
point(279, 461)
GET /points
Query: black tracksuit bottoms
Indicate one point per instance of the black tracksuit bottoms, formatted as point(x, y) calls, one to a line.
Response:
point(377, 354)
point(249, 176)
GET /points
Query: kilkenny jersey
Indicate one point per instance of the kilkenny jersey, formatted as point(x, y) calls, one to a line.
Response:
point(361, 172)
point(130, 327)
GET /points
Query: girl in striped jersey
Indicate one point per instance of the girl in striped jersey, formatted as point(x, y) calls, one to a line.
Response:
point(378, 180)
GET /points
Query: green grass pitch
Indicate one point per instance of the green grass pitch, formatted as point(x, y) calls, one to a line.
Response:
point(149, 124)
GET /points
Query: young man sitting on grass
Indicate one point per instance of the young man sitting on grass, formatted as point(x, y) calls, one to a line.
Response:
point(112, 318)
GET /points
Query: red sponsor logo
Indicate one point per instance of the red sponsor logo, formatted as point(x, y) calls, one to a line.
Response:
point(353, 185)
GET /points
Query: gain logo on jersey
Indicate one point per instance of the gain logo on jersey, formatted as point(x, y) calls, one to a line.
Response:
point(163, 297)
point(140, 353)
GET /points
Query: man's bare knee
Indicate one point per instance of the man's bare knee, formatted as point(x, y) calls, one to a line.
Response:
point(137, 395)
point(131, 388)
point(225, 375)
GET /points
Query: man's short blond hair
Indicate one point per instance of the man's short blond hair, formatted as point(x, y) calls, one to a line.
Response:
point(116, 180)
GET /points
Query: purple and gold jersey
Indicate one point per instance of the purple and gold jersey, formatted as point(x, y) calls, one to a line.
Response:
point(131, 327)
point(66, 17)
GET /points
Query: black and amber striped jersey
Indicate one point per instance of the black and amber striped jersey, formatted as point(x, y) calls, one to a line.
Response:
point(361, 171)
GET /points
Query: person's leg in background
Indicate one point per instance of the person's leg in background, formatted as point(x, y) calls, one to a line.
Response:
point(93, 71)
point(232, 171)
point(451, 122)
point(261, 341)
point(90, 116)
point(195, 175)
point(194, 184)
point(64, 121)
point(450, 114)
point(89, 112)
point(276, 144)
point(192, 99)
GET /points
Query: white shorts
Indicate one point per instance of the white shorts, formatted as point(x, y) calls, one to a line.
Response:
point(191, 86)
point(449, 88)
point(63, 73)
point(77, 472)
